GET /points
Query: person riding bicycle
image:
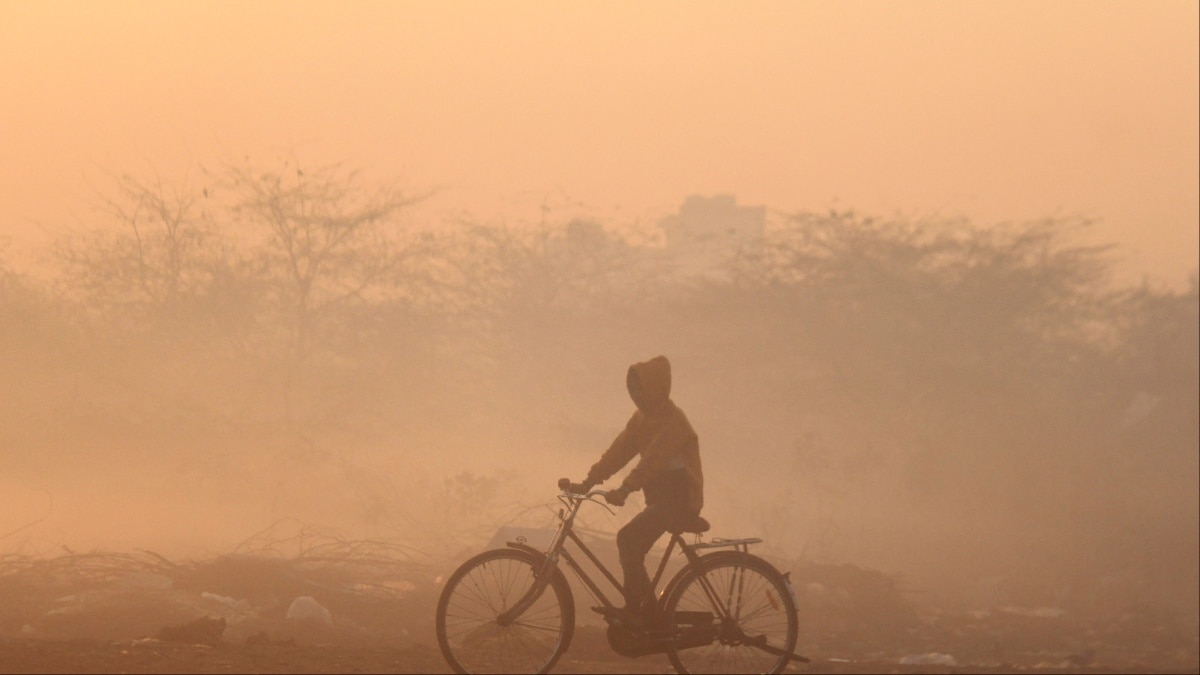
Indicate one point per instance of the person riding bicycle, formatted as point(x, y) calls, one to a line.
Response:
point(668, 473)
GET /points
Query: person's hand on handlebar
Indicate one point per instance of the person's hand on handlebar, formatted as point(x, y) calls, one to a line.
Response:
point(617, 497)
point(575, 488)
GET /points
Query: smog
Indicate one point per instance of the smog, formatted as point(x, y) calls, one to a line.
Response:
point(245, 384)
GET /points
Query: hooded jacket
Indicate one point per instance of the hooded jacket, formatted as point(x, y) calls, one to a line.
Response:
point(661, 433)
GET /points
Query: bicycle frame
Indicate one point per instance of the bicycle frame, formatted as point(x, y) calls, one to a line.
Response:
point(713, 586)
point(557, 549)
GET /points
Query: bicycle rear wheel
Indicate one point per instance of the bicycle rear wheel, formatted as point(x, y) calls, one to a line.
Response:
point(474, 636)
point(735, 614)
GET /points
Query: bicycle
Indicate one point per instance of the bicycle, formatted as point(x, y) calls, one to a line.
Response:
point(512, 610)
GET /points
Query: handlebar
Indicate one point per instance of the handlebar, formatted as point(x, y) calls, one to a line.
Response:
point(564, 484)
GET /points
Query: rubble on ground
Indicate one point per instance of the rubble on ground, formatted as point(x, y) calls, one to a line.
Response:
point(855, 614)
point(311, 587)
point(314, 588)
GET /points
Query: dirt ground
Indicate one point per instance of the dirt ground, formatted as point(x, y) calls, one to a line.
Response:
point(1039, 649)
point(371, 611)
point(81, 656)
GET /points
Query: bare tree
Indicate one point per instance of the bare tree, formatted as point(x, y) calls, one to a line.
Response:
point(163, 249)
point(330, 240)
point(331, 251)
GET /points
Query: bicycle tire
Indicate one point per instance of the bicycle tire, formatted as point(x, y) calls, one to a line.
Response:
point(665, 594)
point(762, 636)
point(468, 634)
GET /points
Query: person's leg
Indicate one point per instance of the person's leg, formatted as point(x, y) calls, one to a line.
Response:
point(633, 542)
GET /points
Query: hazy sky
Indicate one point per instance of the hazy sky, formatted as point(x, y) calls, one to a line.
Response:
point(993, 110)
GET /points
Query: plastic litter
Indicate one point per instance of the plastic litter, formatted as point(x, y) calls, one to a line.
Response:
point(1039, 612)
point(306, 608)
point(930, 659)
point(222, 599)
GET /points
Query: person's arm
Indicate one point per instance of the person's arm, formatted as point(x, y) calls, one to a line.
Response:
point(618, 454)
point(658, 454)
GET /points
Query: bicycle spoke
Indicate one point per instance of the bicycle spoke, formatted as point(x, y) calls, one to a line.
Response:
point(745, 598)
point(471, 632)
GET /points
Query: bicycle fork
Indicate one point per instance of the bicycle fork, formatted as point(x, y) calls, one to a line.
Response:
point(545, 571)
point(546, 567)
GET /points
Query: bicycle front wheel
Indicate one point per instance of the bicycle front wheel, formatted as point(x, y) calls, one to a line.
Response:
point(473, 630)
point(735, 614)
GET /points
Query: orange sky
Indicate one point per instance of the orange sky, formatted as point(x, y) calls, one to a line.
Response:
point(993, 110)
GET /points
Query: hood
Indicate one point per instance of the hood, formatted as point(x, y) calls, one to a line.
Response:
point(655, 378)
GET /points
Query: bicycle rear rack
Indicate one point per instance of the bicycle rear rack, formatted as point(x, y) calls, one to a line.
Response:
point(740, 544)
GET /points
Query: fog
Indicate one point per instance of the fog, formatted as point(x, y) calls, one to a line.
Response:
point(943, 326)
point(981, 412)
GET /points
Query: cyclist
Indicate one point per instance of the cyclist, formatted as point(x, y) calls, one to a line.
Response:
point(668, 473)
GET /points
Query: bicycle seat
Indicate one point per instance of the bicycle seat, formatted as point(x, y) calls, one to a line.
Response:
point(693, 524)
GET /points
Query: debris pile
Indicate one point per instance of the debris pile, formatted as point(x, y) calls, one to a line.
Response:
point(853, 615)
point(1050, 637)
point(305, 585)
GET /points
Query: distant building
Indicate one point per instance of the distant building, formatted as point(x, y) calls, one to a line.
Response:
point(709, 234)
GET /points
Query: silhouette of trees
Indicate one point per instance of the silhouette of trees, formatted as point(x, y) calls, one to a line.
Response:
point(201, 295)
point(964, 371)
point(328, 240)
point(528, 295)
point(326, 245)
point(921, 329)
point(161, 260)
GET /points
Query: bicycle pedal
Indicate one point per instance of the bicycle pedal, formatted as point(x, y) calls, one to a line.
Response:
point(756, 641)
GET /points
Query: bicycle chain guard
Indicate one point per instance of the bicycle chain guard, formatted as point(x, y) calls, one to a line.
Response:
point(627, 644)
point(631, 645)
